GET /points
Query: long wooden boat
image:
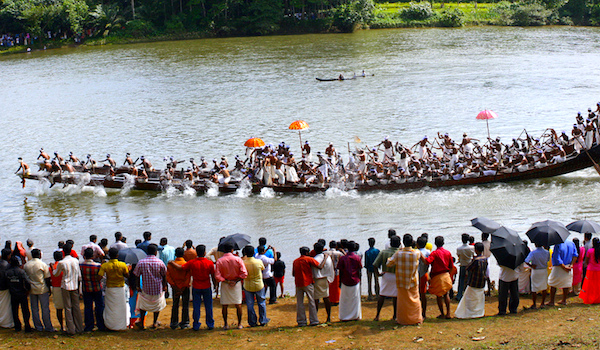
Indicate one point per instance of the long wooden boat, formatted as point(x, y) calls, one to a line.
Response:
point(119, 181)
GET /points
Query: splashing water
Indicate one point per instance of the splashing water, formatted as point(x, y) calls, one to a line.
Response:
point(99, 191)
point(212, 190)
point(42, 187)
point(244, 190)
point(334, 192)
point(128, 184)
point(188, 191)
point(267, 192)
point(171, 191)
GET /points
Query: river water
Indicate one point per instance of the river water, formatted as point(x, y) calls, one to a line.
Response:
point(206, 97)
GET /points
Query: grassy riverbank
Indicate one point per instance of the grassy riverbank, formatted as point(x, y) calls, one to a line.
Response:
point(571, 326)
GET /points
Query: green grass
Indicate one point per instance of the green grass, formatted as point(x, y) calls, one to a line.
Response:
point(388, 14)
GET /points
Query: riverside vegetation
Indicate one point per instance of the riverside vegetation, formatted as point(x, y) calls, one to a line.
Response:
point(58, 22)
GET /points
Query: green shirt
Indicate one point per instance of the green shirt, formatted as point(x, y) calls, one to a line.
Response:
point(381, 260)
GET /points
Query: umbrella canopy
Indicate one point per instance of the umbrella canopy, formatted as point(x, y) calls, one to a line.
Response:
point(487, 114)
point(485, 225)
point(238, 240)
point(131, 255)
point(584, 226)
point(254, 142)
point(547, 233)
point(508, 248)
point(299, 125)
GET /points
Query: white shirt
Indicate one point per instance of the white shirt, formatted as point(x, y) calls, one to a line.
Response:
point(326, 271)
point(69, 266)
point(98, 252)
point(37, 271)
point(119, 245)
point(266, 273)
point(465, 254)
point(508, 275)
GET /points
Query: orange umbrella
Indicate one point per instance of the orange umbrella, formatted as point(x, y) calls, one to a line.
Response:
point(254, 142)
point(299, 125)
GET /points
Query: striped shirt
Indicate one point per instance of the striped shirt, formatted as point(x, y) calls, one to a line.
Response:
point(406, 262)
point(477, 272)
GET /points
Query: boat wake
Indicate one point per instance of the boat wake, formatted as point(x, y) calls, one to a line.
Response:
point(212, 189)
point(267, 192)
point(245, 189)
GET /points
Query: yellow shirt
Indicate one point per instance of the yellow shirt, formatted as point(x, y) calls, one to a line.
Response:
point(254, 281)
point(116, 272)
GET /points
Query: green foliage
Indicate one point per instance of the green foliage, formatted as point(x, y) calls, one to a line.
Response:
point(106, 18)
point(595, 15)
point(524, 14)
point(75, 12)
point(174, 26)
point(139, 28)
point(451, 18)
point(347, 17)
point(417, 11)
point(260, 17)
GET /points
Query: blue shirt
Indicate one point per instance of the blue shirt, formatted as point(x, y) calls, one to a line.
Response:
point(167, 253)
point(370, 256)
point(538, 257)
point(564, 253)
point(268, 253)
point(144, 246)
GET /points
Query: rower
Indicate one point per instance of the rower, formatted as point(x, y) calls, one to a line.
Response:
point(68, 167)
point(60, 159)
point(55, 167)
point(146, 164)
point(238, 163)
point(363, 74)
point(224, 162)
point(110, 161)
point(195, 168)
point(306, 151)
point(128, 161)
point(23, 170)
point(226, 177)
point(43, 155)
point(216, 166)
point(341, 77)
point(72, 158)
point(388, 148)
point(330, 151)
point(91, 161)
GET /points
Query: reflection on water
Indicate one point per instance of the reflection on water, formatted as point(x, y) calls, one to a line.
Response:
point(206, 97)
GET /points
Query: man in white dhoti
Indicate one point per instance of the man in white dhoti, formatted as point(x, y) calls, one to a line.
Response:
point(151, 298)
point(538, 261)
point(350, 267)
point(6, 319)
point(472, 303)
point(388, 287)
point(564, 256)
point(116, 308)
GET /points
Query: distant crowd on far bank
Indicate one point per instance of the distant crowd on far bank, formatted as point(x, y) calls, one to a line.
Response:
point(120, 284)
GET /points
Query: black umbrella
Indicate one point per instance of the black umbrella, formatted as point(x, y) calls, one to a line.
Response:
point(584, 226)
point(131, 255)
point(238, 240)
point(547, 233)
point(485, 225)
point(508, 248)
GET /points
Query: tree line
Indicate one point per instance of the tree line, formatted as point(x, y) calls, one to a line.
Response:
point(47, 19)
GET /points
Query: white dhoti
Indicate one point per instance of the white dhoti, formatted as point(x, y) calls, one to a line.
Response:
point(116, 309)
point(559, 278)
point(524, 279)
point(280, 176)
point(388, 153)
point(151, 303)
point(589, 139)
point(6, 317)
point(267, 179)
point(231, 295)
point(291, 175)
point(539, 280)
point(350, 308)
point(387, 286)
point(472, 303)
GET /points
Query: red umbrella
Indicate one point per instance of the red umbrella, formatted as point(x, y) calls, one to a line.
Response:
point(487, 115)
point(254, 142)
point(299, 125)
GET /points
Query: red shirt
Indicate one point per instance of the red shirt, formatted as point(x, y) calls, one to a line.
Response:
point(302, 270)
point(201, 270)
point(55, 280)
point(440, 261)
